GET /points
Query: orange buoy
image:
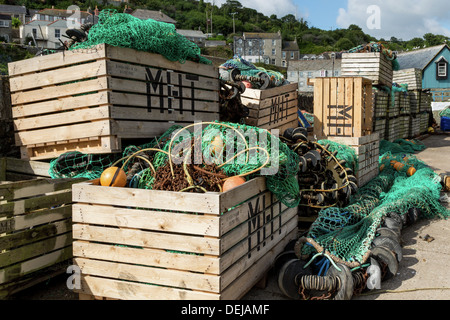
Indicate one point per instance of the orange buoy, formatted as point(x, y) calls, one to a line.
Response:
point(382, 167)
point(399, 166)
point(411, 171)
point(216, 145)
point(113, 177)
point(233, 182)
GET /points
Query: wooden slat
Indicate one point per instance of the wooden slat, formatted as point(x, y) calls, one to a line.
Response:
point(58, 76)
point(32, 168)
point(267, 93)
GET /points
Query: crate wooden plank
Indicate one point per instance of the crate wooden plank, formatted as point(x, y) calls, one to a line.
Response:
point(342, 107)
point(372, 65)
point(24, 167)
point(268, 93)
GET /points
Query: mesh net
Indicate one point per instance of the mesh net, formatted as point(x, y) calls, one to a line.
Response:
point(347, 233)
point(445, 112)
point(243, 150)
point(125, 30)
point(344, 152)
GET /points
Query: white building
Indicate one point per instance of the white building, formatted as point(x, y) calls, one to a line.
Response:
point(47, 34)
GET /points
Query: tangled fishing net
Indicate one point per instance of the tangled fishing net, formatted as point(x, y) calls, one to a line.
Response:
point(191, 160)
point(249, 70)
point(125, 30)
point(347, 233)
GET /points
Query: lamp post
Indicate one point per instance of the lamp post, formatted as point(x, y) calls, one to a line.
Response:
point(233, 13)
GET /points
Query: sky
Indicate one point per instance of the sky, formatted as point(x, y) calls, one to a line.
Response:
point(403, 19)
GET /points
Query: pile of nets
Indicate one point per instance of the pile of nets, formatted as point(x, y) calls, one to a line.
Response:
point(249, 70)
point(125, 30)
point(184, 157)
point(347, 233)
point(445, 112)
point(344, 152)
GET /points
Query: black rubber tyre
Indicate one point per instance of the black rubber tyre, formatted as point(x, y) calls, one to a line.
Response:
point(387, 232)
point(286, 277)
point(385, 256)
point(391, 244)
point(347, 286)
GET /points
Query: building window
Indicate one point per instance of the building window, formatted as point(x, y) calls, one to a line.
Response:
point(336, 73)
point(274, 52)
point(34, 33)
point(301, 84)
point(301, 74)
point(274, 42)
point(273, 61)
point(57, 33)
point(310, 74)
point(283, 63)
point(250, 52)
point(292, 55)
point(441, 69)
point(284, 54)
point(4, 23)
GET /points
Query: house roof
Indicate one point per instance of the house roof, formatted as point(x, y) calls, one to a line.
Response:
point(313, 65)
point(155, 15)
point(62, 13)
point(261, 35)
point(191, 33)
point(6, 8)
point(418, 59)
point(290, 46)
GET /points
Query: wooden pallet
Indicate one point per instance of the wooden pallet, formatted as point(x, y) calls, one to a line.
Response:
point(404, 103)
point(271, 108)
point(342, 107)
point(424, 121)
point(381, 101)
point(371, 65)
point(35, 225)
point(425, 102)
point(414, 98)
point(162, 245)
point(367, 149)
point(411, 77)
point(380, 127)
point(414, 125)
point(392, 129)
point(91, 100)
point(403, 126)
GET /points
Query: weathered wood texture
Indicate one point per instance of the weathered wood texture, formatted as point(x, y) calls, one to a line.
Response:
point(272, 108)
point(92, 100)
point(342, 107)
point(371, 65)
point(35, 224)
point(161, 245)
point(411, 77)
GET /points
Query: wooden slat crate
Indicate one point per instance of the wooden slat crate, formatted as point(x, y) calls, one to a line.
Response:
point(425, 102)
point(394, 105)
point(381, 101)
point(91, 100)
point(162, 245)
point(414, 98)
point(342, 107)
point(392, 129)
point(403, 126)
point(424, 121)
point(35, 225)
point(404, 103)
point(412, 77)
point(380, 127)
point(414, 125)
point(272, 108)
point(367, 149)
point(371, 65)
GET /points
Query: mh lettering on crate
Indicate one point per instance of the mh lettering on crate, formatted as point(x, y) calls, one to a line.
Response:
point(278, 107)
point(342, 117)
point(156, 86)
point(262, 222)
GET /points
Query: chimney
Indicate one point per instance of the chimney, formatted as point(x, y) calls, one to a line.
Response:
point(96, 11)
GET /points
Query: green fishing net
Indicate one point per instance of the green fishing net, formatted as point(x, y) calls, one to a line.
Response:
point(347, 233)
point(344, 152)
point(445, 112)
point(125, 30)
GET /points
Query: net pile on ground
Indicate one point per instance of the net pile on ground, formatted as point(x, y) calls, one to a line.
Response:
point(125, 30)
point(347, 233)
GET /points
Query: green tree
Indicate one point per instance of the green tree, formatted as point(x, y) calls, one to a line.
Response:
point(15, 22)
point(344, 44)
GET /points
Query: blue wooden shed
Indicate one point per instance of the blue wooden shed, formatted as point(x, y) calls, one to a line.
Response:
point(433, 62)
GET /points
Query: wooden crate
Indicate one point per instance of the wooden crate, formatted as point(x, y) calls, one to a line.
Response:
point(371, 65)
point(272, 108)
point(342, 107)
point(392, 129)
point(414, 99)
point(404, 103)
point(394, 105)
point(162, 245)
point(91, 100)
point(403, 126)
point(425, 102)
point(381, 101)
point(424, 121)
point(367, 149)
point(35, 225)
point(414, 125)
point(380, 127)
point(411, 77)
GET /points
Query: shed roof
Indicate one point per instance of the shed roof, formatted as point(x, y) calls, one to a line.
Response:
point(419, 59)
point(314, 65)
point(145, 14)
point(6, 8)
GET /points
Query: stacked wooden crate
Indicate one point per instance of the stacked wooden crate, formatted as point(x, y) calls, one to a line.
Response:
point(273, 108)
point(371, 65)
point(35, 224)
point(343, 112)
point(404, 115)
point(93, 100)
point(381, 102)
point(425, 111)
point(414, 96)
point(393, 123)
point(411, 77)
point(163, 245)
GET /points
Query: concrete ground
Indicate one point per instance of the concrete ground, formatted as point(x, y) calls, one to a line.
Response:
point(423, 269)
point(420, 275)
